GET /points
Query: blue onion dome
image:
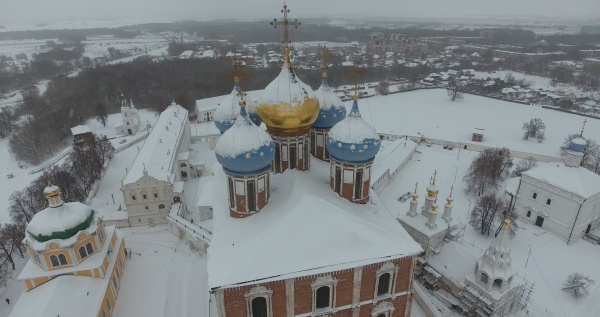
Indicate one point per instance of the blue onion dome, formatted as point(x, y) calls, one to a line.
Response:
point(245, 148)
point(578, 145)
point(353, 140)
point(332, 109)
point(229, 109)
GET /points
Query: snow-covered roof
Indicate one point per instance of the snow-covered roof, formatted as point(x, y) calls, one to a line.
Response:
point(67, 295)
point(32, 270)
point(80, 129)
point(158, 152)
point(205, 191)
point(286, 88)
point(577, 180)
point(391, 154)
point(305, 229)
point(58, 219)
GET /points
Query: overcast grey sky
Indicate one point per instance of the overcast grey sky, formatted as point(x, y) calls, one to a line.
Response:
point(27, 11)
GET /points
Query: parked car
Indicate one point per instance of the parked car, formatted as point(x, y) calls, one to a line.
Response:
point(404, 197)
point(122, 141)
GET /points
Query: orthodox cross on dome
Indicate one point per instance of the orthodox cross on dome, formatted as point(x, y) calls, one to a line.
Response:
point(356, 73)
point(416, 184)
point(238, 74)
point(287, 24)
point(434, 176)
point(583, 127)
point(324, 56)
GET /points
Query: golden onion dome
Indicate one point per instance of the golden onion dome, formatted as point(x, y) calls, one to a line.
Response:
point(288, 104)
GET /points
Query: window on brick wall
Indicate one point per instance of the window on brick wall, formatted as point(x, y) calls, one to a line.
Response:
point(386, 277)
point(62, 259)
point(259, 307)
point(383, 285)
point(322, 298)
point(258, 302)
point(324, 293)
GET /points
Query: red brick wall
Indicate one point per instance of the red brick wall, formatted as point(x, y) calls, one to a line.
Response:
point(235, 302)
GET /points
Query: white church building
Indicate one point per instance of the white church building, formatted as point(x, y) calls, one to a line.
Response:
point(154, 182)
point(564, 199)
point(130, 118)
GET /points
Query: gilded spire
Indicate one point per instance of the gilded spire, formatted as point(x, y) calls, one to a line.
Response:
point(238, 74)
point(324, 56)
point(287, 24)
point(356, 73)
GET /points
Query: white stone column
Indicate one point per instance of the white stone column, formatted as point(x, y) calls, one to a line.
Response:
point(413, 206)
point(432, 217)
point(356, 292)
point(448, 212)
point(289, 298)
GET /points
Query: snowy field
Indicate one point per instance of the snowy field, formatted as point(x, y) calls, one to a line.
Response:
point(432, 114)
point(544, 267)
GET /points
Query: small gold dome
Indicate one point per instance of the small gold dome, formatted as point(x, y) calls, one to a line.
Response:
point(288, 104)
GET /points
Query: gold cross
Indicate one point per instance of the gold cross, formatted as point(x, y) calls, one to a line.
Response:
point(355, 73)
point(286, 23)
point(582, 128)
point(325, 57)
point(238, 73)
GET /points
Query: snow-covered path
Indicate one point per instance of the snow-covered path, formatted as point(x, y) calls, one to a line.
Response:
point(14, 288)
point(163, 277)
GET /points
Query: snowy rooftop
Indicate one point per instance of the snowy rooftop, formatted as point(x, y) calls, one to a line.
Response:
point(303, 218)
point(32, 270)
point(577, 180)
point(158, 152)
point(391, 154)
point(205, 191)
point(67, 295)
point(80, 129)
point(58, 219)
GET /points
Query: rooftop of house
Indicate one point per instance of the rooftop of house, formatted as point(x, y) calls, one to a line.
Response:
point(158, 152)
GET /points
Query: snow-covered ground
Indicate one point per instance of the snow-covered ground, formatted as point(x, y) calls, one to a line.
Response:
point(550, 262)
point(432, 114)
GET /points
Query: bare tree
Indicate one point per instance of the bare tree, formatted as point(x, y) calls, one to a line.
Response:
point(453, 90)
point(485, 212)
point(101, 113)
point(524, 165)
point(6, 246)
point(512, 230)
point(5, 274)
point(383, 88)
point(485, 172)
point(577, 285)
point(14, 234)
point(533, 128)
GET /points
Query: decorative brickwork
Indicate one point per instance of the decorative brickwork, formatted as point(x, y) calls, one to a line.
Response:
point(353, 293)
point(351, 181)
point(248, 194)
point(291, 150)
point(317, 141)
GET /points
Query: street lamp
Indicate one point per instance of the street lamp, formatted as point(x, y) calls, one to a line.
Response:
point(528, 256)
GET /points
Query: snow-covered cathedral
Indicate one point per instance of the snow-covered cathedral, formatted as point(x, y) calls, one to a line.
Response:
point(296, 234)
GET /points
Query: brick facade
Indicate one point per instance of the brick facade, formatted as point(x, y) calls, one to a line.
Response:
point(291, 150)
point(248, 194)
point(344, 179)
point(317, 144)
point(353, 293)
